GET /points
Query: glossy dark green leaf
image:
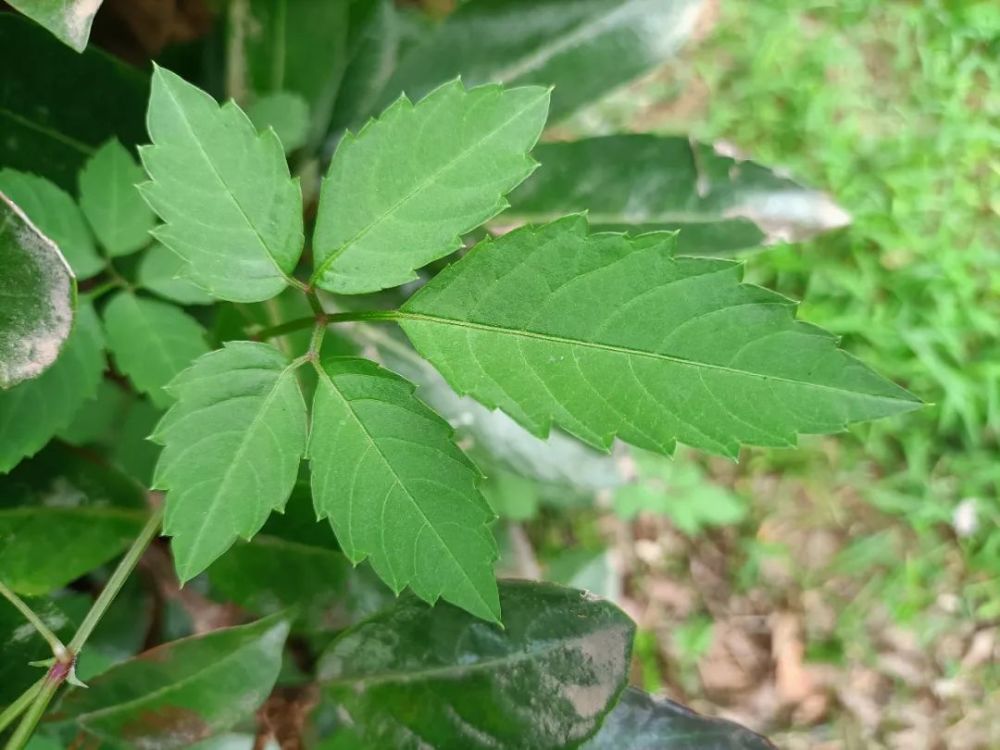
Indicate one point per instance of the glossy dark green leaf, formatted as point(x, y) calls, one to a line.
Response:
point(643, 183)
point(62, 514)
point(294, 45)
point(20, 644)
point(54, 112)
point(585, 48)
point(184, 691)
point(373, 39)
point(32, 412)
point(641, 722)
point(37, 296)
point(69, 20)
point(270, 574)
point(417, 677)
point(56, 214)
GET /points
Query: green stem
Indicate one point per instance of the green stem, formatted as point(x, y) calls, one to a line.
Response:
point(283, 328)
point(58, 649)
point(316, 342)
point(117, 580)
point(101, 289)
point(62, 669)
point(16, 708)
point(367, 315)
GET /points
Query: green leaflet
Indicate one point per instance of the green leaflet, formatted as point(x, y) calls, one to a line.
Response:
point(37, 295)
point(396, 488)
point(585, 48)
point(48, 122)
point(183, 691)
point(54, 212)
point(608, 335)
point(232, 211)
point(151, 342)
point(32, 412)
point(159, 272)
point(62, 514)
point(641, 722)
point(231, 449)
point(69, 20)
point(642, 183)
point(112, 203)
point(545, 681)
point(401, 192)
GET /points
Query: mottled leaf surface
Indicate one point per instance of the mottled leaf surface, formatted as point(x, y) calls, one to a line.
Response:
point(111, 201)
point(20, 643)
point(69, 20)
point(232, 211)
point(151, 342)
point(607, 335)
point(37, 295)
point(585, 48)
point(184, 691)
point(51, 117)
point(62, 515)
point(232, 446)
point(160, 272)
point(420, 677)
point(397, 490)
point(642, 722)
point(644, 183)
point(35, 410)
point(401, 192)
point(56, 214)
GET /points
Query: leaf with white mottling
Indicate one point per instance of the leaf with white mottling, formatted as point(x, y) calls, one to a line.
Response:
point(609, 335)
point(231, 449)
point(397, 490)
point(37, 294)
point(32, 412)
point(151, 342)
point(69, 20)
point(56, 214)
point(232, 211)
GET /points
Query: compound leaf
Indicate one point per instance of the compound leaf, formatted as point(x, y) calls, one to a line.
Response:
point(397, 489)
point(584, 48)
point(35, 410)
point(151, 342)
point(609, 335)
point(231, 449)
point(642, 722)
point(232, 211)
point(37, 294)
point(159, 272)
point(183, 691)
point(546, 680)
point(644, 183)
point(56, 214)
point(111, 201)
point(62, 515)
point(401, 192)
point(68, 20)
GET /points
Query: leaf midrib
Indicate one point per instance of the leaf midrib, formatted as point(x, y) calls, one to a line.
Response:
point(448, 670)
point(226, 189)
point(55, 135)
point(420, 186)
point(628, 351)
point(325, 376)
